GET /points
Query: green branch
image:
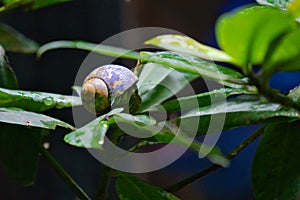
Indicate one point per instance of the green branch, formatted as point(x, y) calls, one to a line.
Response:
point(187, 181)
point(65, 176)
point(262, 85)
point(276, 97)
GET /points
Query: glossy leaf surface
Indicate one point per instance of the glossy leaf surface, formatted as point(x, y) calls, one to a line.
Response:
point(184, 44)
point(202, 99)
point(285, 56)
point(30, 119)
point(92, 134)
point(196, 66)
point(155, 91)
point(247, 35)
point(276, 165)
point(278, 3)
point(239, 112)
point(36, 101)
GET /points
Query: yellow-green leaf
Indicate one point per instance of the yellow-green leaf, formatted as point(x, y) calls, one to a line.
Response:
point(184, 44)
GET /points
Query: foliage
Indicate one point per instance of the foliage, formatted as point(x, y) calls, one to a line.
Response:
point(262, 35)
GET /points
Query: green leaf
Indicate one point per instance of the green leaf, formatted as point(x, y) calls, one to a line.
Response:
point(248, 34)
point(140, 126)
point(167, 135)
point(36, 101)
point(294, 94)
point(19, 151)
point(155, 91)
point(186, 64)
point(150, 76)
point(164, 133)
point(7, 76)
point(278, 3)
point(239, 112)
point(97, 48)
point(130, 188)
point(200, 100)
point(190, 46)
point(28, 4)
point(285, 56)
point(77, 89)
point(294, 8)
point(196, 66)
point(92, 134)
point(156, 83)
point(45, 3)
point(276, 167)
point(142, 120)
point(30, 119)
point(14, 41)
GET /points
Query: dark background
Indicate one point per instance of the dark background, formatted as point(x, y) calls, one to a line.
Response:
point(96, 20)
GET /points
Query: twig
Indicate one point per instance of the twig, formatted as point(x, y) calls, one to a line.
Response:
point(274, 96)
point(185, 182)
point(107, 172)
point(143, 143)
point(271, 94)
point(65, 176)
point(105, 176)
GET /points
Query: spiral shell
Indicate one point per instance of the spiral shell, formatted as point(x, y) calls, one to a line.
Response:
point(103, 84)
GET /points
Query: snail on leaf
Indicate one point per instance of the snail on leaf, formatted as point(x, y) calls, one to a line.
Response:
point(110, 86)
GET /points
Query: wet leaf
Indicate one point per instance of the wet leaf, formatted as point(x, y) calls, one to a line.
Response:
point(30, 119)
point(92, 134)
point(196, 66)
point(36, 101)
point(154, 93)
point(278, 3)
point(139, 119)
point(200, 100)
point(186, 64)
point(184, 44)
point(239, 112)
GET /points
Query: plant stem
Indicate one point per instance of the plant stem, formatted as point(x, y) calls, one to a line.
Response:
point(274, 96)
point(105, 176)
point(65, 176)
point(187, 181)
point(143, 143)
point(271, 94)
point(107, 172)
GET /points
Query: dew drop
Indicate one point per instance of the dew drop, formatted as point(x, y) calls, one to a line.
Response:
point(48, 101)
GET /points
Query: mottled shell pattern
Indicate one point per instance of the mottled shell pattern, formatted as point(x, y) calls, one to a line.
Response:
point(103, 84)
